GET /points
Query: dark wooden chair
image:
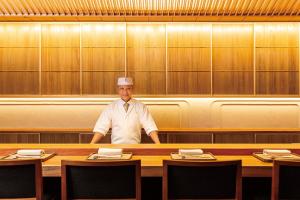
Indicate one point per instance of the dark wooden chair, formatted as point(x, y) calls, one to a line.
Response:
point(286, 180)
point(202, 179)
point(101, 179)
point(21, 179)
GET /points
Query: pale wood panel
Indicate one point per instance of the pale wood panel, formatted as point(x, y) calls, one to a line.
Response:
point(277, 59)
point(149, 82)
point(60, 59)
point(103, 35)
point(232, 35)
point(189, 82)
point(103, 59)
point(19, 83)
point(233, 83)
point(60, 83)
point(100, 82)
point(19, 35)
point(146, 59)
point(19, 138)
point(277, 83)
point(189, 35)
point(17, 59)
point(277, 35)
point(189, 59)
point(233, 59)
point(60, 35)
point(146, 35)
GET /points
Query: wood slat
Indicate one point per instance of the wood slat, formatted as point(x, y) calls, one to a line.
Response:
point(147, 8)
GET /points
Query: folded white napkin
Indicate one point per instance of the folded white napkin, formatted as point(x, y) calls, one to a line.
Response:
point(276, 152)
point(110, 152)
point(190, 152)
point(30, 152)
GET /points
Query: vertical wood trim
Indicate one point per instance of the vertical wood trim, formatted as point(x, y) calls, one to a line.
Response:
point(211, 60)
point(80, 58)
point(254, 59)
point(166, 57)
point(299, 58)
point(125, 46)
point(40, 59)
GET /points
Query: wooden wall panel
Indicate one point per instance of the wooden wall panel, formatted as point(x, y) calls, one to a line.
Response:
point(190, 138)
point(14, 83)
point(212, 58)
point(189, 35)
point(277, 59)
point(278, 138)
point(95, 82)
point(19, 35)
point(191, 82)
point(151, 82)
point(233, 82)
point(104, 35)
point(146, 57)
point(60, 59)
point(103, 57)
point(60, 83)
point(59, 138)
point(189, 59)
point(61, 35)
point(19, 59)
point(232, 35)
point(232, 59)
point(86, 138)
point(19, 138)
point(277, 83)
point(234, 138)
point(276, 35)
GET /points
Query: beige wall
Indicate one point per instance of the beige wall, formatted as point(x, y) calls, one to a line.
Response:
point(168, 112)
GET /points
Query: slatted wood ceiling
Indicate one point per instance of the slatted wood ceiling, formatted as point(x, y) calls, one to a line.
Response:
point(168, 10)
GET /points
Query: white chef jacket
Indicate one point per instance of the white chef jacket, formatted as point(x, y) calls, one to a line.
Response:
point(126, 126)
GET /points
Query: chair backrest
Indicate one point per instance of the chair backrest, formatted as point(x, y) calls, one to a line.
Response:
point(101, 179)
point(286, 180)
point(21, 179)
point(202, 179)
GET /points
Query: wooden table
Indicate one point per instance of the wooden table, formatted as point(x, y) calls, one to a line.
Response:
point(152, 155)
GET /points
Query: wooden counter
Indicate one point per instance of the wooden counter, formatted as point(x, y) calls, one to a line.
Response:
point(152, 155)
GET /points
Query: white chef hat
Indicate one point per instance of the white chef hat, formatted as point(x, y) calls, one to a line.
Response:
point(125, 81)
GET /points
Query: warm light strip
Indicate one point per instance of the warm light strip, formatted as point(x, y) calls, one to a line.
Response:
point(149, 7)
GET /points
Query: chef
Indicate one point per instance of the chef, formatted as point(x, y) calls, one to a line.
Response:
point(125, 116)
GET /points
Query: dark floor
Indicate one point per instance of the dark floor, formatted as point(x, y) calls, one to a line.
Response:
point(253, 188)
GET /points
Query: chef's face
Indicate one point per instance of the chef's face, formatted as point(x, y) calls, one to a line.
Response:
point(125, 92)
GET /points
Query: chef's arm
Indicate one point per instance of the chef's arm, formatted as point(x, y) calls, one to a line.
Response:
point(97, 137)
point(154, 137)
